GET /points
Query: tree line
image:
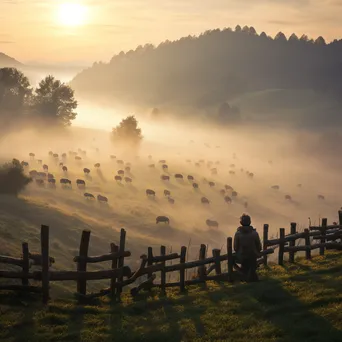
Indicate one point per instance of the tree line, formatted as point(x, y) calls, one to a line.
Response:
point(214, 68)
point(51, 103)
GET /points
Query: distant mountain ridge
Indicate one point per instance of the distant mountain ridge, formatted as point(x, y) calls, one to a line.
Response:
point(7, 61)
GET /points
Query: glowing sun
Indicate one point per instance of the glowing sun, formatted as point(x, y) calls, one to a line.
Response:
point(71, 14)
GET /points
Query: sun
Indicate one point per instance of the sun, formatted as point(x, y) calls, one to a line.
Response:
point(72, 14)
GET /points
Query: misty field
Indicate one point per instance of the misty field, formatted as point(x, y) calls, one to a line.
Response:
point(272, 157)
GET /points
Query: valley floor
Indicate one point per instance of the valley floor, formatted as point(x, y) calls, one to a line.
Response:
point(301, 302)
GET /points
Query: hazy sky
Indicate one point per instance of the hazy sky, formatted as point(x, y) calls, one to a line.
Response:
point(31, 30)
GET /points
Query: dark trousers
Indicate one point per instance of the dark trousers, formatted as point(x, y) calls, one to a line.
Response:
point(249, 267)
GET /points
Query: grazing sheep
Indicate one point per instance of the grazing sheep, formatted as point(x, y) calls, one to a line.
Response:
point(65, 182)
point(50, 176)
point(214, 171)
point(228, 187)
point(232, 165)
point(190, 178)
point(52, 182)
point(61, 164)
point(78, 158)
point(64, 155)
point(321, 197)
point(167, 192)
point(112, 157)
point(88, 195)
point(234, 194)
point(80, 183)
point(201, 161)
point(165, 167)
point(197, 164)
point(212, 223)
point(211, 184)
point(24, 164)
point(40, 182)
point(101, 198)
point(86, 171)
point(128, 169)
point(165, 178)
point(120, 162)
point(65, 169)
point(33, 173)
point(45, 167)
point(164, 219)
point(118, 178)
point(195, 185)
point(205, 200)
point(251, 175)
point(232, 172)
point(178, 176)
point(162, 161)
point(41, 174)
point(39, 161)
point(171, 200)
point(288, 197)
point(97, 165)
point(150, 192)
point(222, 192)
point(121, 172)
point(55, 155)
point(227, 199)
point(151, 166)
point(275, 187)
point(32, 154)
point(128, 180)
point(50, 153)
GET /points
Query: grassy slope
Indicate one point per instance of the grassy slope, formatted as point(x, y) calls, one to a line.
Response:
point(299, 303)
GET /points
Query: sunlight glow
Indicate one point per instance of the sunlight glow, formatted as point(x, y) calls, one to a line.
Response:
point(72, 14)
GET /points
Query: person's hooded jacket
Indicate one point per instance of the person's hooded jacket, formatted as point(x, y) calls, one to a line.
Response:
point(247, 242)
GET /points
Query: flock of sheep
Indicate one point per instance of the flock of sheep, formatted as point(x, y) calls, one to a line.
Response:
point(39, 172)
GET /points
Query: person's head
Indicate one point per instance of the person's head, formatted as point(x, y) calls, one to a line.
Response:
point(245, 220)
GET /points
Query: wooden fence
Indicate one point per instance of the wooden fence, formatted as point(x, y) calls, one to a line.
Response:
point(121, 275)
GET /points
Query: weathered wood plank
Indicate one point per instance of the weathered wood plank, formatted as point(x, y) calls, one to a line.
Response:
point(44, 240)
point(82, 263)
point(101, 258)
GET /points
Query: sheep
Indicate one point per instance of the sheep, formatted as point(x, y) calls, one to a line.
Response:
point(165, 167)
point(228, 187)
point(151, 166)
point(65, 169)
point(227, 199)
point(86, 171)
point(78, 158)
point(214, 171)
point(197, 164)
point(88, 195)
point(222, 192)
point(321, 197)
point(162, 161)
point(118, 178)
point(50, 153)
point(178, 176)
point(232, 166)
point(61, 164)
point(165, 178)
point(251, 175)
point(64, 155)
point(275, 187)
point(190, 178)
point(24, 164)
point(65, 182)
point(40, 182)
point(33, 173)
point(234, 194)
point(101, 198)
point(52, 182)
point(195, 185)
point(120, 162)
point(288, 197)
point(55, 155)
point(80, 183)
point(128, 180)
point(41, 174)
point(32, 155)
point(211, 184)
point(205, 200)
point(97, 165)
point(167, 192)
point(128, 169)
point(121, 172)
point(112, 156)
point(212, 223)
point(150, 192)
point(232, 172)
point(39, 161)
point(164, 219)
point(50, 176)
point(45, 167)
point(171, 200)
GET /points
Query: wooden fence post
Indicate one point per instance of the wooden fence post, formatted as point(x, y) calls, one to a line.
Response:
point(216, 255)
point(82, 264)
point(113, 249)
point(281, 246)
point(307, 244)
point(230, 259)
point(265, 239)
point(44, 240)
point(182, 270)
point(292, 243)
point(26, 263)
point(201, 269)
point(323, 232)
point(340, 217)
point(121, 260)
point(163, 273)
point(149, 260)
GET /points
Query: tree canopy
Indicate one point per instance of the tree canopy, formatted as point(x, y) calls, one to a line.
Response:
point(127, 132)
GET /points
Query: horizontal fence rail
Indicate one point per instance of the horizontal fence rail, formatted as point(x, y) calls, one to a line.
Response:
point(153, 267)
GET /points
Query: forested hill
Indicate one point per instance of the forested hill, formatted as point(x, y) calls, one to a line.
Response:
point(7, 61)
point(217, 66)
